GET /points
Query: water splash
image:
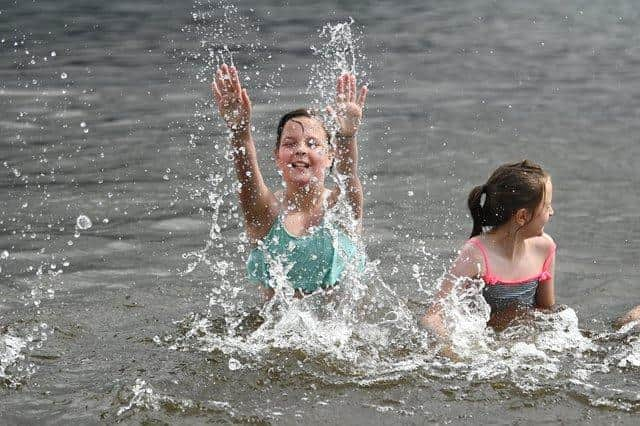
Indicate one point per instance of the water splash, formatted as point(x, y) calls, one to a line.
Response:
point(361, 333)
point(11, 353)
point(15, 366)
point(336, 52)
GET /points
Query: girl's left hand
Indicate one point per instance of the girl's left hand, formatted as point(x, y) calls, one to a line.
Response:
point(348, 109)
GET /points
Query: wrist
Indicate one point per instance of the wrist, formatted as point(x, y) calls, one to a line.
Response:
point(240, 132)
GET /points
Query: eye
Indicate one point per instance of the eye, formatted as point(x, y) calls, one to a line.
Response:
point(313, 143)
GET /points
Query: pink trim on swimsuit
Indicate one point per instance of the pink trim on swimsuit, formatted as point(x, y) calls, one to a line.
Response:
point(491, 279)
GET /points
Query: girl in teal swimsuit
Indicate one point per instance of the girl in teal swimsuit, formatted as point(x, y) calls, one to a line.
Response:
point(293, 239)
point(508, 248)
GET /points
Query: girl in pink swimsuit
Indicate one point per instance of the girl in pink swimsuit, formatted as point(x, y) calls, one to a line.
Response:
point(508, 248)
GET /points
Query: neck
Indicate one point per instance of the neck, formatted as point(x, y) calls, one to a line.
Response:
point(508, 240)
point(306, 199)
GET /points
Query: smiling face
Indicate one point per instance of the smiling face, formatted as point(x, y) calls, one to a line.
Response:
point(303, 154)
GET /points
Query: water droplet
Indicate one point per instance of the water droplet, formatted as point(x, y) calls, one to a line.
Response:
point(53, 54)
point(234, 364)
point(83, 222)
point(410, 193)
point(63, 76)
point(83, 124)
point(4, 254)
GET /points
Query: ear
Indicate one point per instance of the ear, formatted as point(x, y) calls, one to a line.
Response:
point(522, 216)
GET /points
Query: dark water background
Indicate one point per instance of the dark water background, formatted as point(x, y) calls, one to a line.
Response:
point(457, 87)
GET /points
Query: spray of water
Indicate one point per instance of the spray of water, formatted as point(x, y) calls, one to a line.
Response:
point(361, 332)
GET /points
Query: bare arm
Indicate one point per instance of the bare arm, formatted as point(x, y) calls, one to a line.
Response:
point(470, 264)
point(546, 296)
point(256, 200)
point(348, 114)
point(632, 315)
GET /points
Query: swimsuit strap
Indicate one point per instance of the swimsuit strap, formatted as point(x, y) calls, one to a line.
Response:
point(546, 273)
point(487, 277)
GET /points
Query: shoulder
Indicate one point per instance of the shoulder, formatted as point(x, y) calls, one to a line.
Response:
point(544, 246)
point(472, 250)
point(470, 260)
point(544, 243)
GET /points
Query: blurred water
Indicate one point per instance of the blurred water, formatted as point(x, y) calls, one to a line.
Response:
point(142, 313)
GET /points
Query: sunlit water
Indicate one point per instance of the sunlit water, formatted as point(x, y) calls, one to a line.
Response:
point(122, 253)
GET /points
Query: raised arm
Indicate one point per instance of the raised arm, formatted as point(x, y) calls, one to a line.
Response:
point(348, 114)
point(256, 200)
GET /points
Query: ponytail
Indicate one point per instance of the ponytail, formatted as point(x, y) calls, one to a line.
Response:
point(476, 209)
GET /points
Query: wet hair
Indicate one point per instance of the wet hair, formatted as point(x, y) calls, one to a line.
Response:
point(510, 187)
point(301, 112)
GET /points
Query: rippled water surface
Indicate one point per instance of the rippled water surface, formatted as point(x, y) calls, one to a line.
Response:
point(123, 294)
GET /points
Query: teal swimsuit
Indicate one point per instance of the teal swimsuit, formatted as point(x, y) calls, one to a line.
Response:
point(309, 261)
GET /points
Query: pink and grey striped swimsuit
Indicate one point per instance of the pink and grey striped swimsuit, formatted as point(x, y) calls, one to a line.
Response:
point(501, 294)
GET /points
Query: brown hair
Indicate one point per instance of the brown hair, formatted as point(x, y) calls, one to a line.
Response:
point(301, 112)
point(510, 187)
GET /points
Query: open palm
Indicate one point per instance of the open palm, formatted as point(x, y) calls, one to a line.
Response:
point(233, 101)
point(349, 106)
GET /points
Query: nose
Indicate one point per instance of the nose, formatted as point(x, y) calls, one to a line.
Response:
point(301, 148)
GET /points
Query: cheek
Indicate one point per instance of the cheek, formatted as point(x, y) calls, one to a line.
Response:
point(321, 159)
point(282, 154)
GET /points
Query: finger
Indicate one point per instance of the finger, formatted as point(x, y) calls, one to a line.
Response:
point(362, 96)
point(339, 90)
point(235, 81)
point(219, 81)
point(347, 87)
point(246, 102)
point(216, 93)
point(226, 78)
point(352, 88)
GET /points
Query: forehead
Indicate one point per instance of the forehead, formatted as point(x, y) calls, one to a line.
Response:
point(307, 126)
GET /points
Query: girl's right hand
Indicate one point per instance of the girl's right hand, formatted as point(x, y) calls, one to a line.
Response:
point(233, 101)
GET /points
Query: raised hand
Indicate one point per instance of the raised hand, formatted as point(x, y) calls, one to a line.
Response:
point(233, 101)
point(348, 108)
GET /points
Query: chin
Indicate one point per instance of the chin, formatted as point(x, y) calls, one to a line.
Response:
point(299, 181)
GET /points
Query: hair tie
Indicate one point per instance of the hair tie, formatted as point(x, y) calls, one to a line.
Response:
point(483, 195)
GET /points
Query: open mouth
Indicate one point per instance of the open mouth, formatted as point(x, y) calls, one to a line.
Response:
point(299, 165)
